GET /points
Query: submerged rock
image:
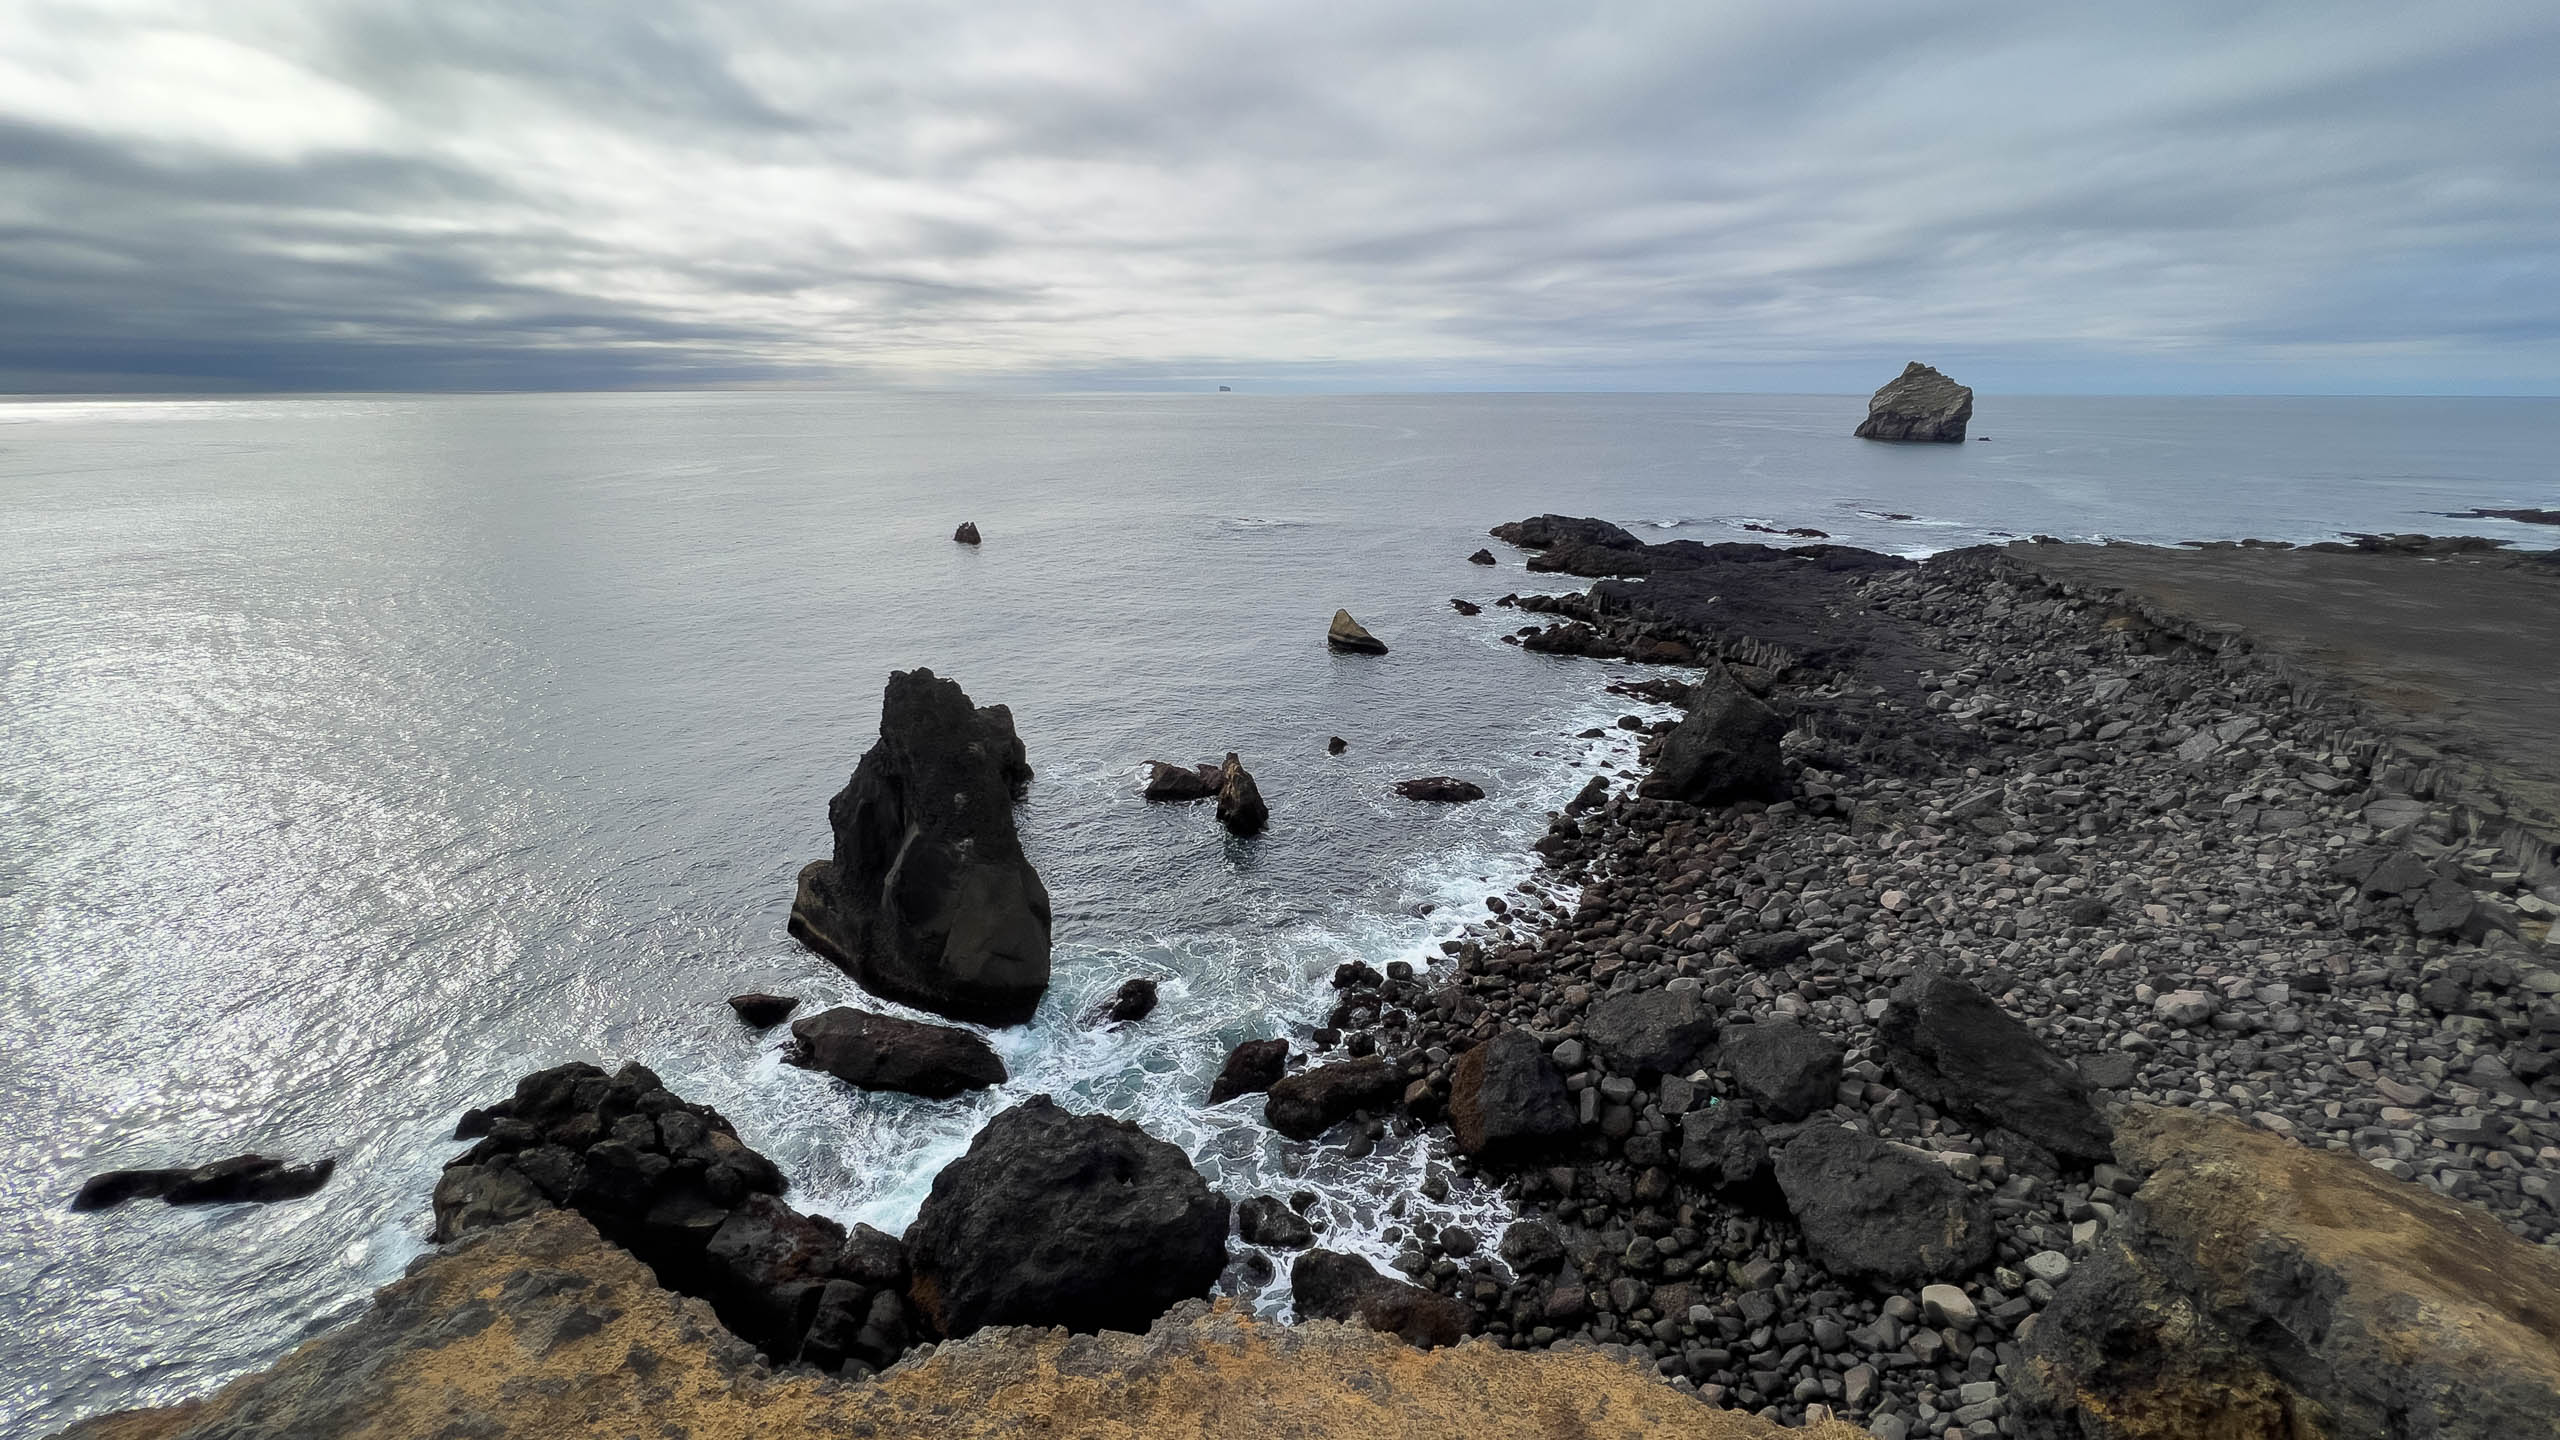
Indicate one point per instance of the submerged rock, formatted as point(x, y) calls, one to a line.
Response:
point(1252, 1067)
point(1724, 749)
point(1441, 788)
point(1954, 1047)
point(928, 900)
point(1918, 404)
point(240, 1180)
point(1347, 634)
point(1875, 1210)
point(764, 1011)
point(1054, 1218)
point(1240, 806)
point(1180, 782)
point(883, 1052)
point(1329, 1285)
point(2257, 1287)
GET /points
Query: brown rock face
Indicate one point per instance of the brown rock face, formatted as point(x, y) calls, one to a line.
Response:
point(543, 1331)
point(2259, 1288)
point(1918, 404)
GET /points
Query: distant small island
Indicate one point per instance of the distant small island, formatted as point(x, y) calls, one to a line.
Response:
point(1918, 404)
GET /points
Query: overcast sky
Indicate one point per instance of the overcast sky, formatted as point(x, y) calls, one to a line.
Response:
point(2325, 196)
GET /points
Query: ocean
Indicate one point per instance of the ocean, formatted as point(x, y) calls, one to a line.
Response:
point(358, 755)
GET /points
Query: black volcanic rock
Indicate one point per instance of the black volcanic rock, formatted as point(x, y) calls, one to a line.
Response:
point(1054, 1218)
point(1918, 404)
point(764, 1011)
point(1541, 531)
point(1481, 557)
point(1348, 634)
point(1507, 1101)
point(1329, 1285)
point(1875, 1210)
point(240, 1180)
point(1305, 1105)
point(1240, 806)
point(1251, 1067)
point(882, 1052)
point(967, 534)
point(928, 899)
point(1724, 749)
point(1791, 1069)
point(1133, 1002)
point(1955, 1048)
point(1180, 782)
point(1441, 788)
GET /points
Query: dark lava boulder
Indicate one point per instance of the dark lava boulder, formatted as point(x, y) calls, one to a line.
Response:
point(1724, 749)
point(1772, 951)
point(928, 899)
point(1650, 1032)
point(1507, 1100)
point(1240, 806)
point(1180, 782)
point(1307, 1104)
point(1876, 1211)
point(883, 1052)
point(1955, 1048)
point(1540, 531)
point(1251, 1067)
point(764, 1011)
point(1134, 1001)
point(1441, 788)
point(1054, 1218)
point(240, 1180)
point(1262, 1220)
point(1723, 1148)
point(1791, 1069)
point(1481, 557)
point(1593, 794)
point(1348, 634)
point(1918, 404)
point(1329, 1285)
point(967, 534)
point(1465, 607)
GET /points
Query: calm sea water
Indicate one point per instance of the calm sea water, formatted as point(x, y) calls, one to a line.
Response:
point(358, 755)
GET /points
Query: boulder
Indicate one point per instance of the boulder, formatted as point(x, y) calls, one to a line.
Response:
point(1954, 1047)
point(928, 900)
point(1134, 1001)
point(1307, 1104)
point(883, 1052)
point(1724, 749)
point(1262, 1220)
point(1347, 634)
point(1180, 782)
point(1531, 1246)
point(1481, 557)
point(2257, 1287)
point(1722, 1148)
point(1336, 745)
point(764, 1011)
point(967, 534)
point(1790, 1069)
point(1240, 806)
point(1053, 1218)
point(1876, 1211)
point(1507, 1101)
point(1465, 607)
point(1650, 1032)
point(1918, 404)
point(1541, 531)
point(1329, 1285)
point(1440, 788)
point(1252, 1067)
point(1593, 794)
point(240, 1180)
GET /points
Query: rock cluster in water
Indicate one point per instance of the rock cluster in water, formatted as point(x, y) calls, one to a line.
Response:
point(928, 900)
point(1918, 404)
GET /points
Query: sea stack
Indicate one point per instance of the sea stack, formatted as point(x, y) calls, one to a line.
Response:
point(928, 900)
point(1348, 634)
point(1918, 404)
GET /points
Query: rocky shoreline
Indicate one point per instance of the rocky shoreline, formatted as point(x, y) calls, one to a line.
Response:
point(1986, 977)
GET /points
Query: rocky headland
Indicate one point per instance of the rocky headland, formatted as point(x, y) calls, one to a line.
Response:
point(2053, 991)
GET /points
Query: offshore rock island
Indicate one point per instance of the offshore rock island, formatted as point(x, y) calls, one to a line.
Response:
point(2055, 991)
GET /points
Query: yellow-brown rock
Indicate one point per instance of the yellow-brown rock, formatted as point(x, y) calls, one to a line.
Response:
point(543, 1331)
point(2258, 1288)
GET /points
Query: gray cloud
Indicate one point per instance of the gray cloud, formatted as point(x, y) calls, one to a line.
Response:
point(396, 194)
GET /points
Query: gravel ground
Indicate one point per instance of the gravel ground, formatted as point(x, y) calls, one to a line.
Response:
point(2180, 880)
